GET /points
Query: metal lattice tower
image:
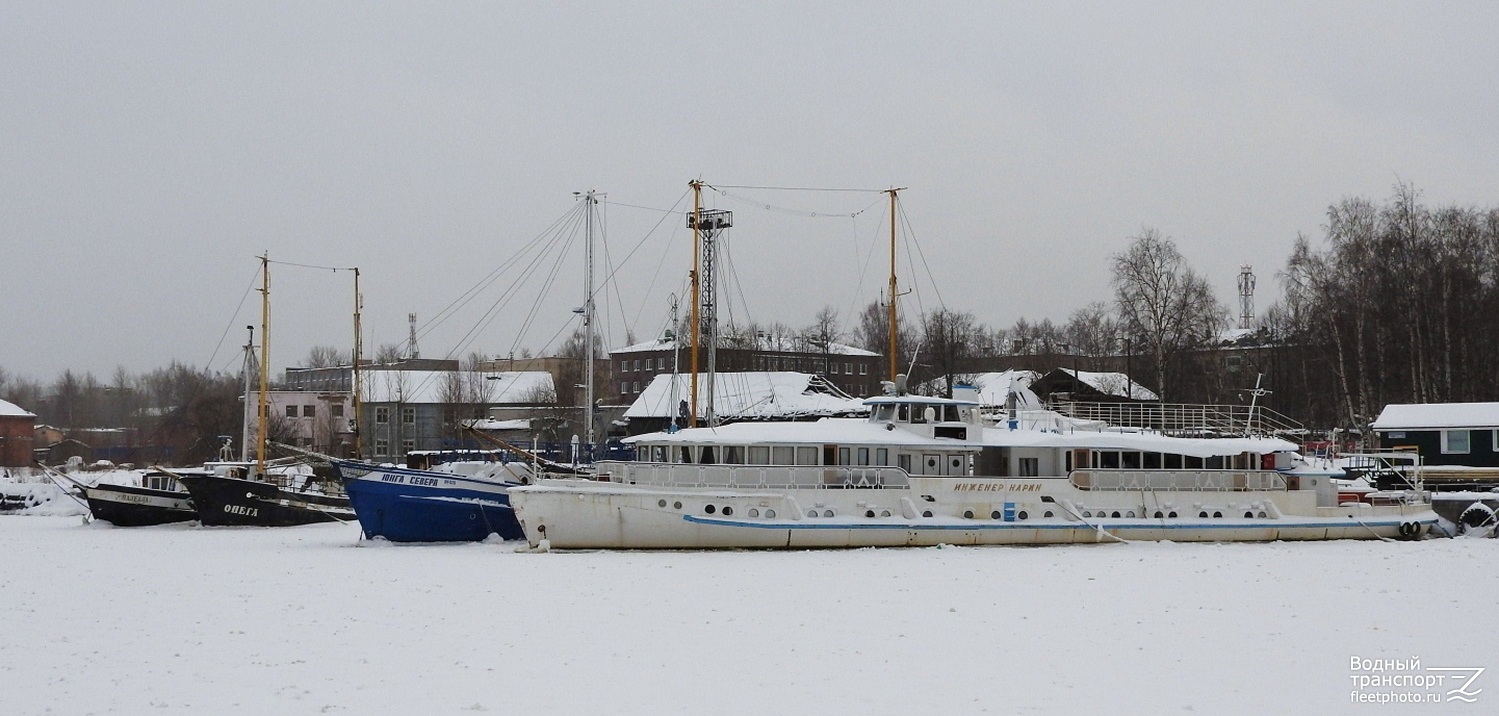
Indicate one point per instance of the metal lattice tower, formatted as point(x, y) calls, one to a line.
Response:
point(1246, 297)
point(411, 350)
point(709, 223)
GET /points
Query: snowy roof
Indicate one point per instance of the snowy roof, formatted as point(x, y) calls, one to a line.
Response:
point(491, 424)
point(994, 388)
point(431, 386)
point(662, 344)
point(1116, 384)
point(1438, 415)
point(11, 410)
point(749, 395)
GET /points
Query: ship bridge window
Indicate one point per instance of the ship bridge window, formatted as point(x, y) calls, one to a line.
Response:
point(903, 413)
point(759, 455)
point(783, 455)
point(883, 413)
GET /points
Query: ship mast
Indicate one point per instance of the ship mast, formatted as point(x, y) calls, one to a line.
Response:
point(265, 320)
point(358, 353)
point(244, 434)
point(588, 327)
point(894, 322)
point(706, 224)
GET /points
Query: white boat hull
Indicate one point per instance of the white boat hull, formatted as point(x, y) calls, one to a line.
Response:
point(576, 514)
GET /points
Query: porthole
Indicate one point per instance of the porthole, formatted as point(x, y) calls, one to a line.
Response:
point(676, 505)
point(827, 513)
point(1086, 513)
point(473, 516)
point(1131, 513)
point(1262, 513)
point(926, 513)
point(1217, 514)
point(968, 514)
point(1248, 515)
point(811, 513)
point(660, 503)
point(994, 515)
point(869, 513)
point(710, 509)
point(1158, 514)
point(884, 513)
point(1116, 513)
point(770, 514)
point(754, 512)
point(1023, 514)
point(1173, 514)
point(727, 510)
point(1202, 514)
point(1048, 514)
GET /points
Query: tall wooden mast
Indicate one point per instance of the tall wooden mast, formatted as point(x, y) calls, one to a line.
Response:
point(265, 362)
point(894, 318)
point(358, 355)
point(697, 243)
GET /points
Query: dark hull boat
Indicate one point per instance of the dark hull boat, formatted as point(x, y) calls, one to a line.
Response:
point(230, 500)
point(406, 505)
point(131, 506)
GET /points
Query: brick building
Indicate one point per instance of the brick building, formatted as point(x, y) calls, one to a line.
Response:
point(17, 427)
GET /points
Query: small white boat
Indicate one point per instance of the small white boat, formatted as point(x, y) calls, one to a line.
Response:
point(927, 471)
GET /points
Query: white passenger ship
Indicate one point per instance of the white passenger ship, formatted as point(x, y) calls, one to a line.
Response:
point(928, 471)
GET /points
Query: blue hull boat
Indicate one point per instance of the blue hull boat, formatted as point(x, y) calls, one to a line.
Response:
point(405, 505)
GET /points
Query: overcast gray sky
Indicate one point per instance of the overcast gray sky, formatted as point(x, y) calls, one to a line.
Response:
point(152, 150)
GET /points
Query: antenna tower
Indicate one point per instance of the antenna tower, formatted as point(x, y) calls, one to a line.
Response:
point(1246, 297)
point(411, 350)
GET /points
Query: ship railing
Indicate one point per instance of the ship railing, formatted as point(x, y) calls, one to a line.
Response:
point(1184, 480)
point(757, 477)
point(1192, 420)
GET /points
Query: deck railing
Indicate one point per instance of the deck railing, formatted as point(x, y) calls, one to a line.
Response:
point(1187, 419)
point(1192, 480)
point(753, 477)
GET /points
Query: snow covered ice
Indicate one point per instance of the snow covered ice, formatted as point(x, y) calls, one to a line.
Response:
point(185, 619)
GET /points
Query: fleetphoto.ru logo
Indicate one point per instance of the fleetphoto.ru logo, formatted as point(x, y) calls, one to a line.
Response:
point(1406, 681)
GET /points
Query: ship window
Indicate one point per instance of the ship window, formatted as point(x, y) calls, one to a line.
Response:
point(782, 455)
point(1172, 461)
point(806, 456)
point(843, 456)
point(904, 460)
point(884, 413)
point(903, 413)
point(1130, 460)
point(1456, 441)
point(707, 455)
point(684, 454)
point(1191, 463)
point(863, 456)
point(1215, 462)
point(1152, 461)
point(882, 456)
point(759, 455)
point(1107, 459)
point(1030, 466)
point(733, 455)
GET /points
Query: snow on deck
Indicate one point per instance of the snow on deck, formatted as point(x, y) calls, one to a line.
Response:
point(307, 620)
point(1416, 416)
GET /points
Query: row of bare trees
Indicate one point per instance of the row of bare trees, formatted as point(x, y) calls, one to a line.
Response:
point(1399, 304)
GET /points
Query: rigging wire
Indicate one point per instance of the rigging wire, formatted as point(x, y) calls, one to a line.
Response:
point(233, 319)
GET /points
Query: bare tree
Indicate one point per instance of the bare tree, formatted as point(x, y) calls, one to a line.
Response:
point(947, 344)
point(1092, 330)
point(1163, 302)
point(322, 357)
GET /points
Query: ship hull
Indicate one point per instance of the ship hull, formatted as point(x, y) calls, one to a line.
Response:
point(231, 501)
point(404, 505)
point(575, 514)
point(130, 506)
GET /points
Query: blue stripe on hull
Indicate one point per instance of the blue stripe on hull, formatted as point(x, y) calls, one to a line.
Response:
point(412, 513)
